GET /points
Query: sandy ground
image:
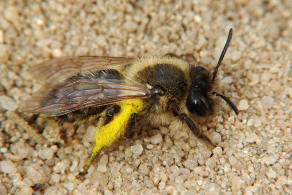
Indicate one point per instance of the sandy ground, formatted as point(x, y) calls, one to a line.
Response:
point(254, 149)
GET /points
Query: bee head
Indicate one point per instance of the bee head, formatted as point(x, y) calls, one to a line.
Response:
point(198, 100)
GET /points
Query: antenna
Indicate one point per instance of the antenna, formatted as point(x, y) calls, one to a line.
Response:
point(227, 101)
point(222, 54)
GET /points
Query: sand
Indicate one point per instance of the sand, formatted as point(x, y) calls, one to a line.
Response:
point(254, 148)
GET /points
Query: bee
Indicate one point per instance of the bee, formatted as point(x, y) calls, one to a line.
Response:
point(119, 91)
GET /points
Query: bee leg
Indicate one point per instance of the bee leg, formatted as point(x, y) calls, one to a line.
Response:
point(131, 126)
point(194, 128)
point(112, 125)
point(106, 118)
point(110, 113)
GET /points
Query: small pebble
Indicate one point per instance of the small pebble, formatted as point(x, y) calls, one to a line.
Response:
point(74, 165)
point(130, 26)
point(283, 180)
point(163, 176)
point(271, 173)
point(213, 189)
point(36, 174)
point(289, 91)
point(266, 77)
point(56, 189)
point(236, 55)
point(144, 169)
point(162, 185)
point(46, 153)
point(137, 149)
point(156, 139)
point(149, 146)
point(211, 163)
point(236, 184)
point(243, 105)
point(57, 53)
point(90, 133)
point(69, 186)
point(271, 159)
point(267, 102)
point(11, 14)
point(215, 137)
point(4, 53)
point(254, 78)
point(7, 103)
point(22, 149)
point(101, 41)
point(24, 190)
point(226, 80)
point(250, 190)
point(2, 37)
point(191, 163)
point(233, 161)
point(217, 151)
point(61, 166)
point(99, 178)
point(250, 122)
point(102, 165)
point(8, 167)
point(55, 178)
point(251, 138)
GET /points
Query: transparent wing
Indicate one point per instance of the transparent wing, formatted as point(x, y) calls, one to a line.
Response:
point(59, 69)
point(81, 94)
point(60, 95)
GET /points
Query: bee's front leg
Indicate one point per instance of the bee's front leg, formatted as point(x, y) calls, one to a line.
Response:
point(131, 126)
point(194, 129)
point(110, 113)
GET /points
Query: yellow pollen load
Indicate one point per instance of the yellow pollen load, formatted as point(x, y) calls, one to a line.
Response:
point(106, 134)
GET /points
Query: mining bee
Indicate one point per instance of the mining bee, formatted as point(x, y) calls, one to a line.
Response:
point(118, 91)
